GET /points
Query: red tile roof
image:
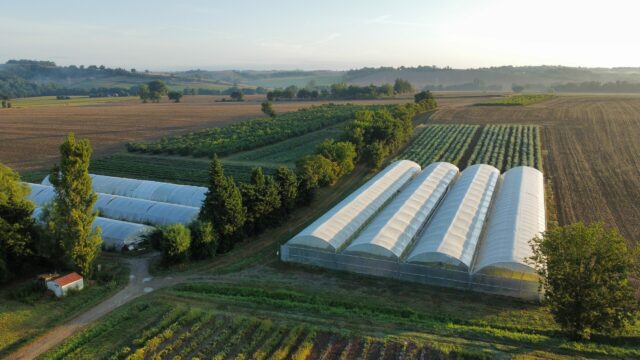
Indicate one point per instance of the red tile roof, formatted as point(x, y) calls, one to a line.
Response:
point(68, 279)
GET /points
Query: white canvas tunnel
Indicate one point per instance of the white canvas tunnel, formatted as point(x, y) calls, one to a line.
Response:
point(333, 229)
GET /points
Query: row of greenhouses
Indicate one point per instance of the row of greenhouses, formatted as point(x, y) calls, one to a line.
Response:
point(128, 209)
point(436, 225)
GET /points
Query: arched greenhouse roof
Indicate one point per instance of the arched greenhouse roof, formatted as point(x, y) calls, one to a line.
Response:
point(392, 230)
point(333, 229)
point(453, 233)
point(148, 190)
point(518, 215)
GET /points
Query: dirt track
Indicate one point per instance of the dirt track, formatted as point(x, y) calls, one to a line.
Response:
point(140, 283)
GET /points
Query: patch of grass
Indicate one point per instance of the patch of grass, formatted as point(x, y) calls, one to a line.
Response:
point(517, 100)
point(26, 310)
point(289, 151)
point(173, 169)
point(74, 101)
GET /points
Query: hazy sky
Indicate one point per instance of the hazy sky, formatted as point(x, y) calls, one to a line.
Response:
point(321, 34)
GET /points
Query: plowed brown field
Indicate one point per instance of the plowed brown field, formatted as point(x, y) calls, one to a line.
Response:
point(591, 154)
point(29, 137)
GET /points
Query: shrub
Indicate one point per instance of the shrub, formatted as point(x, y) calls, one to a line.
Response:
point(176, 240)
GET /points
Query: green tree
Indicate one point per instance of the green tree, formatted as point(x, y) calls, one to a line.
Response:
point(157, 89)
point(175, 96)
point(343, 153)
point(267, 108)
point(517, 88)
point(237, 95)
point(176, 239)
point(315, 171)
point(422, 96)
point(402, 86)
point(375, 153)
point(17, 228)
point(223, 206)
point(287, 187)
point(262, 199)
point(72, 213)
point(204, 242)
point(143, 92)
point(585, 270)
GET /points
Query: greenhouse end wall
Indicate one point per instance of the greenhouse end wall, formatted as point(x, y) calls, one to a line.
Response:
point(519, 288)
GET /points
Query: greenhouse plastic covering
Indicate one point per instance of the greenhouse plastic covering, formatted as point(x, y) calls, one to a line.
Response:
point(149, 190)
point(391, 231)
point(127, 209)
point(116, 235)
point(518, 216)
point(338, 225)
point(453, 232)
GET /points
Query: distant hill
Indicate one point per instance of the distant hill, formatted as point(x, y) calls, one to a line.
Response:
point(19, 78)
point(494, 78)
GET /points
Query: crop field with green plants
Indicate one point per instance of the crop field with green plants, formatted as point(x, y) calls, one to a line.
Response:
point(173, 169)
point(440, 143)
point(287, 152)
point(518, 100)
point(507, 146)
point(250, 134)
point(502, 146)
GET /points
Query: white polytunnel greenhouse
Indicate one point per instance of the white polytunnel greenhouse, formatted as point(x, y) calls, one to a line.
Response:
point(116, 235)
point(391, 231)
point(518, 216)
point(453, 233)
point(127, 209)
point(339, 224)
point(468, 230)
point(148, 190)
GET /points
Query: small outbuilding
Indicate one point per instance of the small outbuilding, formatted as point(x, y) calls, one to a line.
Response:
point(60, 286)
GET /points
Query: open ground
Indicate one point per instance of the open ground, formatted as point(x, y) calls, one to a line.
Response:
point(29, 137)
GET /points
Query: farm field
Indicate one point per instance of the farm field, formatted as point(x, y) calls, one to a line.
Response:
point(74, 101)
point(250, 134)
point(174, 169)
point(29, 137)
point(590, 152)
point(517, 100)
point(502, 146)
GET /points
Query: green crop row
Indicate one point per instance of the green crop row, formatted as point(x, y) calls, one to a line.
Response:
point(507, 146)
point(250, 134)
point(440, 143)
point(517, 100)
point(178, 170)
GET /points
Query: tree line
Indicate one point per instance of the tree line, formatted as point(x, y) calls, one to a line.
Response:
point(341, 91)
point(237, 211)
point(64, 238)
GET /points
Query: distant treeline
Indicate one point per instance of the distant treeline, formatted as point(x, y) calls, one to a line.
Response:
point(341, 91)
point(476, 85)
point(594, 86)
point(227, 91)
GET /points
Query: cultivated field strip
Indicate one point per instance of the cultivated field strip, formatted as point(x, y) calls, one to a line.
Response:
point(591, 153)
point(173, 169)
point(507, 146)
point(440, 143)
point(159, 331)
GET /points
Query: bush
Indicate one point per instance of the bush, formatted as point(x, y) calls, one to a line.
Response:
point(204, 242)
point(176, 240)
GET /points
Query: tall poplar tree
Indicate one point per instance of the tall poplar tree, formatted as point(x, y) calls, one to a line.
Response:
point(72, 213)
point(222, 206)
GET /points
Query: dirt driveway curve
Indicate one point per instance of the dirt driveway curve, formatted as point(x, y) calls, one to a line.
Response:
point(140, 283)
